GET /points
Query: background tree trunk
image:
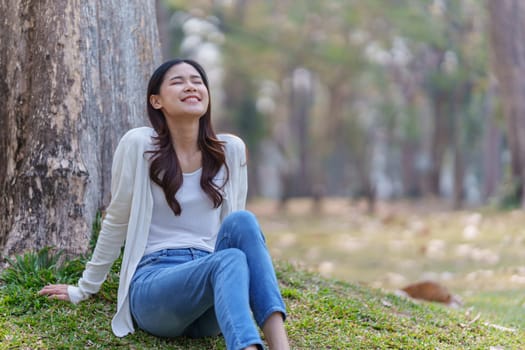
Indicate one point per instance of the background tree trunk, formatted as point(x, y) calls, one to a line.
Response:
point(507, 38)
point(73, 76)
point(440, 140)
point(300, 109)
point(165, 35)
point(492, 144)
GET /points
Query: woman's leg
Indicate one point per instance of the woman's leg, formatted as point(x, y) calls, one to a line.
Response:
point(241, 230)
point(171, 299)
point(275, 333)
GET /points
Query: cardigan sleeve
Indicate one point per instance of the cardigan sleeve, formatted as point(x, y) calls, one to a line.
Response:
point(236, 159)
point(243, 176)
point(114, 226)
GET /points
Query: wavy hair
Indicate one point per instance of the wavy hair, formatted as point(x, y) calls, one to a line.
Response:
point(165, 169)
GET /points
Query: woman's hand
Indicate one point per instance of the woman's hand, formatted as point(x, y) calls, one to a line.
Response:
point(55, 291)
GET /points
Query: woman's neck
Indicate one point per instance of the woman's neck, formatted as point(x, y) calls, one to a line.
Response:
point(185, 136)
point(185, 141)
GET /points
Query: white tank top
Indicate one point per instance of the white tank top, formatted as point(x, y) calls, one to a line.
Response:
point(196, 227)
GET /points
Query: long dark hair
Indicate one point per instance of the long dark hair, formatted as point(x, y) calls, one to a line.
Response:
point(165, 169)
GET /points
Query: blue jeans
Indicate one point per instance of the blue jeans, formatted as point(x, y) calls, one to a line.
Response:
point(195, 293)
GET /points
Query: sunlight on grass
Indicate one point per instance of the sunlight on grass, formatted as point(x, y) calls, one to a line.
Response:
point(468, 251)
point(504, 307)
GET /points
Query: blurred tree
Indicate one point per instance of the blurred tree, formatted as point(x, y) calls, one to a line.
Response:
point(492, 160)
point(166, 36)
point(73, 81)
point(404, 74)
point(238, 75)
point(446, 64)
point(507, 34)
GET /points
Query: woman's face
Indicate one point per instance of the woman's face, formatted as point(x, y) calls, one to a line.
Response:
point(182, 93)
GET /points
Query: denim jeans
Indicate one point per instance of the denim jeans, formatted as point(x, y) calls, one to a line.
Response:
point(195, 293)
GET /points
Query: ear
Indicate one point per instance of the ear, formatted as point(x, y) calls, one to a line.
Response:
point(154, 100)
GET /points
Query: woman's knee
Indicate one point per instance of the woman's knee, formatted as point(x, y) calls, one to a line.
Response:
point(242, 218)
point(240, 230)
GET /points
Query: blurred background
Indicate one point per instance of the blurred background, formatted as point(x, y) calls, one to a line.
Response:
point(376, 99)
point(383, 149)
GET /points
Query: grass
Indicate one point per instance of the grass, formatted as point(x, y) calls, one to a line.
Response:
point(324, 314)
point(477, 254)
point(337, 312)
point(503, 307)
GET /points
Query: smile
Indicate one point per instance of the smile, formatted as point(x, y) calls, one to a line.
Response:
point(191, 99)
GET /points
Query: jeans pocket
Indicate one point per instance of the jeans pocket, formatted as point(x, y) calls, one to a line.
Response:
point(147, 260)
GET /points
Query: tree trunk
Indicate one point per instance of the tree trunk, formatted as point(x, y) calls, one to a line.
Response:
point(300, 105)
point(459, 173)
point(440, 140)
point(461, 97)
point(492, 141)
point(73, 81)
point(507, 38)
point(165, 36)
point(341, 143)
point(409, 175)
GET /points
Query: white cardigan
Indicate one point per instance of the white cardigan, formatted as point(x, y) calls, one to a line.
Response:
point(128, 216)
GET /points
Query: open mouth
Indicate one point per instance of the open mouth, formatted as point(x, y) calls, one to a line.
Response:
point(191, 99)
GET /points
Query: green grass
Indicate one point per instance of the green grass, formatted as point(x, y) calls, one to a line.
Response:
point(502, 307)
point(323, 314)
point(350, 305)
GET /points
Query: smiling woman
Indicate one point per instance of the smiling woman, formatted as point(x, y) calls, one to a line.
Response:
point(195, 262)
point(179, 109)
point(182, 96)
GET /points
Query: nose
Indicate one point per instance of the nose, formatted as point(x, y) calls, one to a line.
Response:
point(189, 86)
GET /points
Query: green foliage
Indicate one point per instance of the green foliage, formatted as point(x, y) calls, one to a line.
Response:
point(28, 273)
point(364, 56)
point(510, 194)
point(32, 269)
point(248, 121)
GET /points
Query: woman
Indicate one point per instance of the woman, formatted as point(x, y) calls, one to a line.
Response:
point(195, 263)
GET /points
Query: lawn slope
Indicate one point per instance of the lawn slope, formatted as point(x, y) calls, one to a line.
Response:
point(323, 314)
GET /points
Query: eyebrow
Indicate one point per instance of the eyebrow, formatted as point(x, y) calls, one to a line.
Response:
point(194, 76)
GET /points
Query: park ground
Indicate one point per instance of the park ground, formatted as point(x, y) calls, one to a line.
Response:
point(338, 267)
point(476, 253)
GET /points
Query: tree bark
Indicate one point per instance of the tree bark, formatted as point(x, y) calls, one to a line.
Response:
point(507, 39)
point(73, 81)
